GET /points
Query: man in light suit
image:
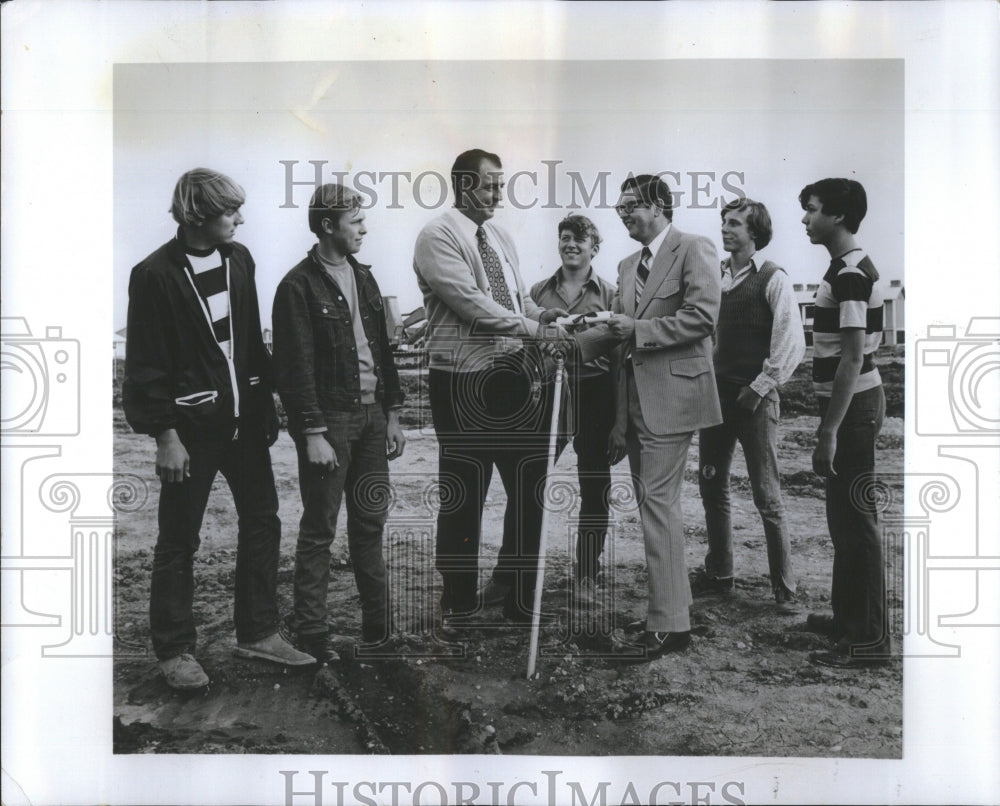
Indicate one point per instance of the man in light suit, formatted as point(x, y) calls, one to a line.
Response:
point(665, 311)
point(487, 384)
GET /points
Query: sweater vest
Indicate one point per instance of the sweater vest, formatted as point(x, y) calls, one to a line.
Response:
point(743, 332)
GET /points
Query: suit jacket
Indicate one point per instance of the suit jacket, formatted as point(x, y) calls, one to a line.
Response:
point(465, 325)
point(675, 320)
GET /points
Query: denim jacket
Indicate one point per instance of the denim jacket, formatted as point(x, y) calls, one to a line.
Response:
point(315, 356)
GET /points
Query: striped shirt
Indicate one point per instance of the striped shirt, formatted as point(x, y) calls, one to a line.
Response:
point(848, 297)
point(209, 275)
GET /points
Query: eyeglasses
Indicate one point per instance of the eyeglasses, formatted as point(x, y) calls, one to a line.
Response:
point(629, 207)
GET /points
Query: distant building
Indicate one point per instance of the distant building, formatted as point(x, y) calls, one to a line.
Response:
point(894, 325)
point(804, 296)
point(118, 343)
point(268, 336)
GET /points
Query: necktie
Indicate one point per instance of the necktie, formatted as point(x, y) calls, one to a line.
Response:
point(494, 271)
point(642, 273)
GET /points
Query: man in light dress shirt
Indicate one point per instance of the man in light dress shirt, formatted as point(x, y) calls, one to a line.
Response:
point(490, 392)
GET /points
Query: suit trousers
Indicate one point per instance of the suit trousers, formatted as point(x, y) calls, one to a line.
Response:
point(657, 464)
point(246, 465)
point(495, 416)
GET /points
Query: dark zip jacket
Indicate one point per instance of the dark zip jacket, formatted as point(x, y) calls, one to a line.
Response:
point(176, 374)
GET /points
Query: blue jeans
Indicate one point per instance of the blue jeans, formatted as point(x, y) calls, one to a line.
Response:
point(246, 465)
point(757, 432)
point(362, 476)
point(858, 594)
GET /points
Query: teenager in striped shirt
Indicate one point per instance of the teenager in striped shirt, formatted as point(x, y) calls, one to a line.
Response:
point(847, 330)
point(197, 378)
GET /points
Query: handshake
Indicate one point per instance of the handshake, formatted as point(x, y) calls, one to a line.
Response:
point(556, 333)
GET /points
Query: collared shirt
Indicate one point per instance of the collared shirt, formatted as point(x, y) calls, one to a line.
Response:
point(468, 227)
point(597, 295)
point(655, 244)
point(787, 338)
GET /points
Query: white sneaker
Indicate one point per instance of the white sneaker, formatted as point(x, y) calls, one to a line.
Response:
point(275, 649)
point(183, 672)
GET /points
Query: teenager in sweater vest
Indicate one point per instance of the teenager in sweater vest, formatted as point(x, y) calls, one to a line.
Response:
point(759, 343)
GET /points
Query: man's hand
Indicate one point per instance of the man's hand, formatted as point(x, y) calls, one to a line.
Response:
point(271, 426)
point(172, 461)
point(616, 442)
point(394, 439)
point(550, 315)
point(621, 326)
point(556, 339)
point(826, 449)
point(748, 399)
point(320, 452)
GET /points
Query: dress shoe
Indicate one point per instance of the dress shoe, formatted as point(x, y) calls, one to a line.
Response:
point(823, 624)
point(319, 646)
point(704, 585)
point(275, 649)
point(658, 644)
point(844, 660)
point(494, 593)
point(183, 673)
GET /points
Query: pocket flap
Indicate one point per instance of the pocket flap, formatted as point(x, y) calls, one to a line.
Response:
point(197, 398)
point(667, 289)
point(690, 367)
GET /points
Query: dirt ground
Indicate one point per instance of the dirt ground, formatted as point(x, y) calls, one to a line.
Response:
point(743, 688)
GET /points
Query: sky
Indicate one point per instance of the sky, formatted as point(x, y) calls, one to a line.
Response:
point(568, 133)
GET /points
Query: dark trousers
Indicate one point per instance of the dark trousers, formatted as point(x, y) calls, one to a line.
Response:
point(858, 593)
point(495, 416)
point(246, 465)
point(594, 403)
point(362, 477)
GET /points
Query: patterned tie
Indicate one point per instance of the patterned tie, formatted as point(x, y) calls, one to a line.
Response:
point(494, 271)
point(642, 273)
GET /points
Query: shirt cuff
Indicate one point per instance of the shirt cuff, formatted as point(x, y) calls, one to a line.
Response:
point(763, 385)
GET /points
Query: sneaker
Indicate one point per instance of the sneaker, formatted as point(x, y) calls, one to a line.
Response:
point(183, 672)
point(319, 646)
point(494, 593)
point(275, 649)
point(787, 604)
